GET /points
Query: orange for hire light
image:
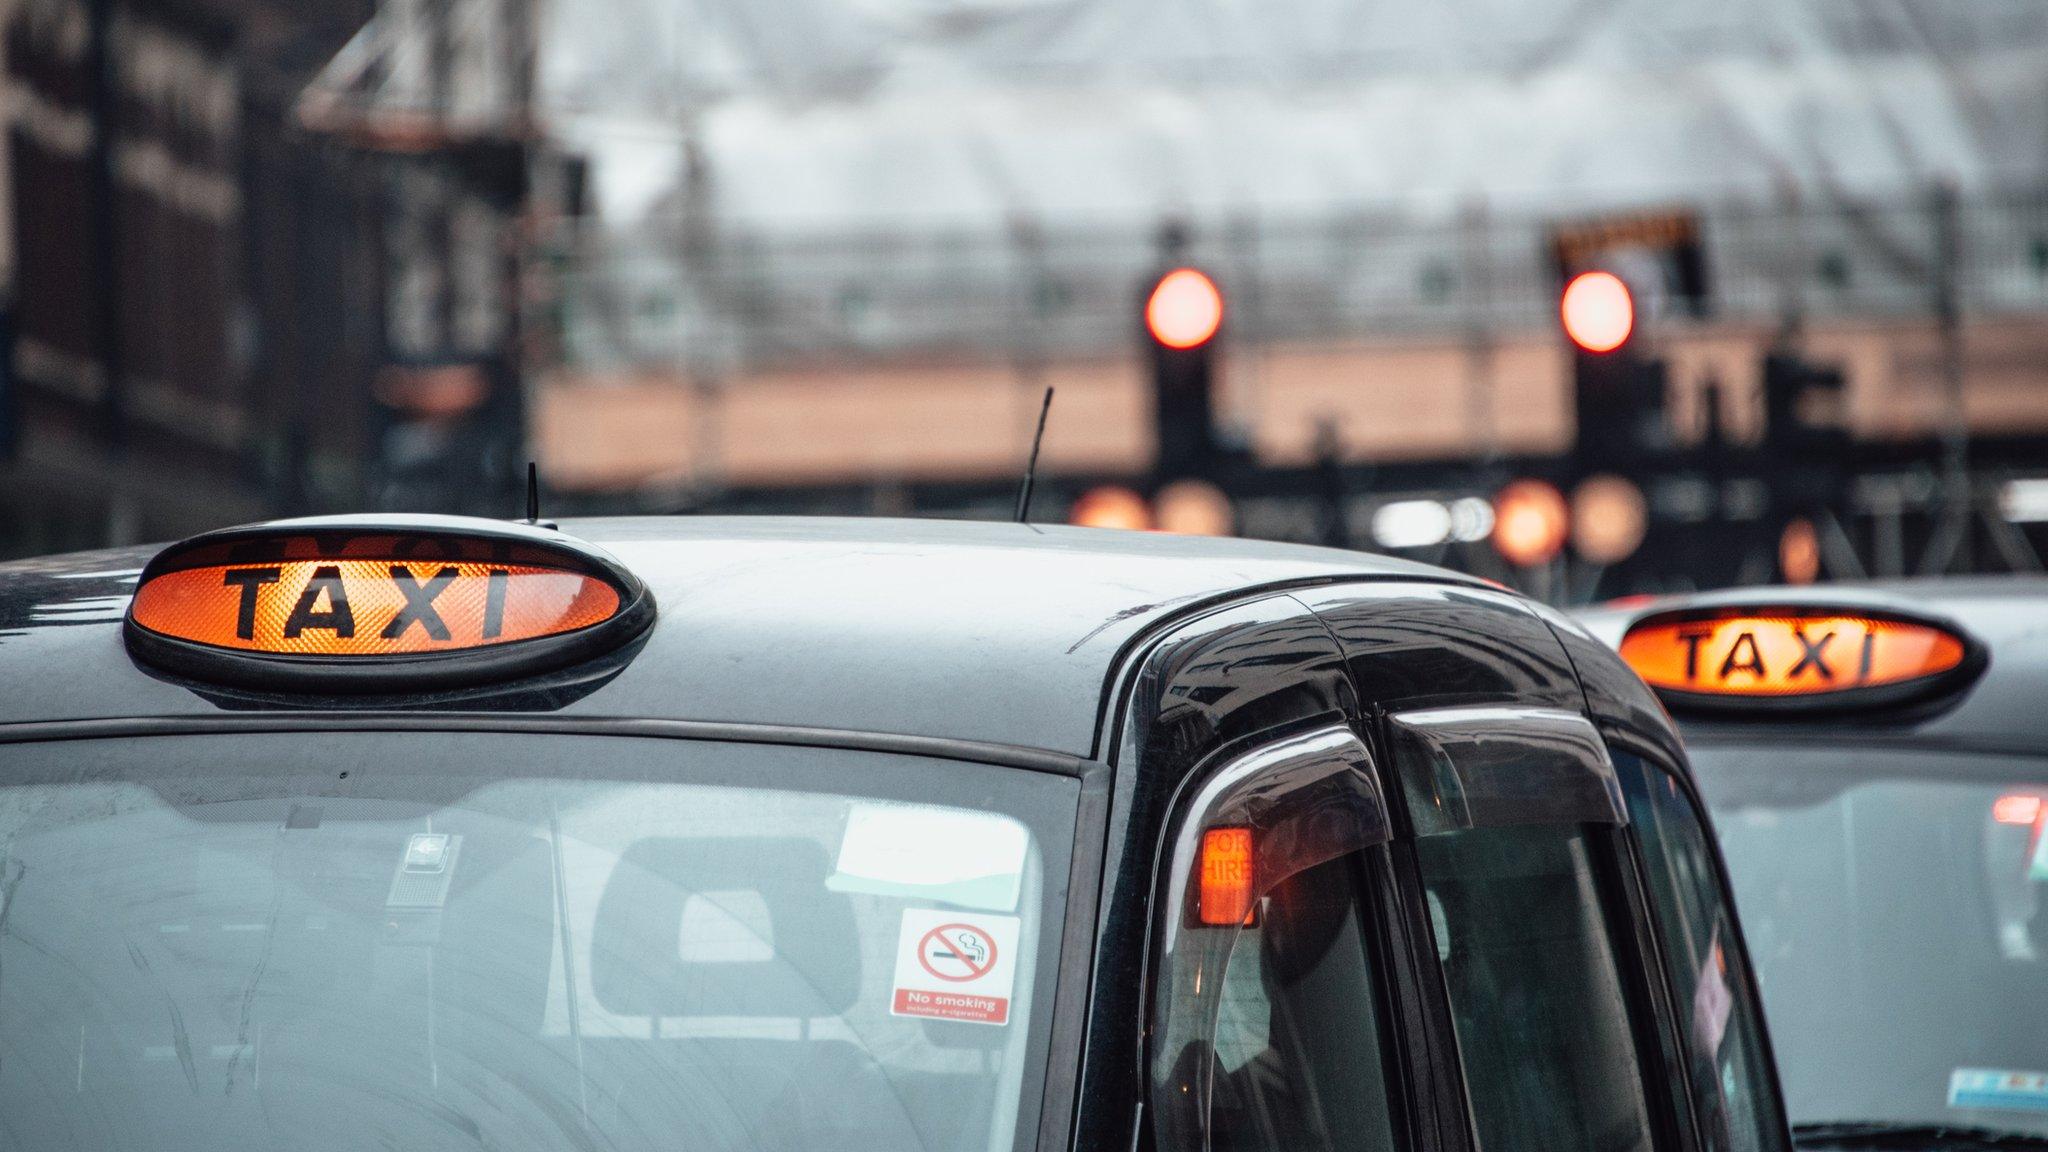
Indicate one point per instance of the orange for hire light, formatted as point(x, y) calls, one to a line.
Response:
point(1225, 896)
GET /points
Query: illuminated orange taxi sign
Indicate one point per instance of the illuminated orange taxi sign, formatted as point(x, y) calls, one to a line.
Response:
point(370, 607)
point(1794, 657)
point(373, 607)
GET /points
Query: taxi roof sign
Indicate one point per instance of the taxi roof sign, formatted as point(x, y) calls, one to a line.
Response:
point(1798, 657)
point(375, 604)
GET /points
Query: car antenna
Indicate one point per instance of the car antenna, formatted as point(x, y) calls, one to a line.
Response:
point(1031, 467)
point(533, 498)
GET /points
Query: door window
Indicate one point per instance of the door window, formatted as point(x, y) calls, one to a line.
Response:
point(1731, 1084)
point(1536, 988)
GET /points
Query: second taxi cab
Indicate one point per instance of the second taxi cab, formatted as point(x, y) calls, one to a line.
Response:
point(791, 836)
point(1877, 761)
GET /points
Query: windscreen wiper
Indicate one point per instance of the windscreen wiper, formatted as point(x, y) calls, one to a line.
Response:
point(1886, 1136)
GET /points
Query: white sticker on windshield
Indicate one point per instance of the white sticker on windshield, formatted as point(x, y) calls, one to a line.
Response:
point(1998, 1089)
point(955, 966)
point(944, 855)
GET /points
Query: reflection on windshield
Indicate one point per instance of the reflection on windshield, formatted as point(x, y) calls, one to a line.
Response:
point(541, 963)
point(1894, 912)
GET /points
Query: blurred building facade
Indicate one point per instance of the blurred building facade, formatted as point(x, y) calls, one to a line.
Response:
point(228, 298)
point(140, 179)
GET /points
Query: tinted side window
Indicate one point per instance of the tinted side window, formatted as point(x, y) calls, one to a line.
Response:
point(1731, 1083)
point(1536, 989)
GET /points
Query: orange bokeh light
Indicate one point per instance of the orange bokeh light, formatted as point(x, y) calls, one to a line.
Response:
point(1185, 310)
point(1530, 522)
point(1225, 897)
point(1799, 552)
point(1609, 517)
point(1598, 311)
point(362, 607)
point(1787, 654)
point(2017, 808)
point(1111, 507)
point(1192, 508)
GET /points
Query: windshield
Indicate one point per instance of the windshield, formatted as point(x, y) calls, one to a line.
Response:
point(1896, 909)
point(428, 941)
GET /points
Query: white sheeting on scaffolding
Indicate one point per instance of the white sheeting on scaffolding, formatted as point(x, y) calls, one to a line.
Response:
point(827, 116)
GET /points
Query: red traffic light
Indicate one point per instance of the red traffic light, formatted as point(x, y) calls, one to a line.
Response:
point(1598, 312)
point(1185, 310)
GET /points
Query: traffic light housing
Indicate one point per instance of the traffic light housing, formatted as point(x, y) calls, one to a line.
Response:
point(1183, 323)
point(1620, 394)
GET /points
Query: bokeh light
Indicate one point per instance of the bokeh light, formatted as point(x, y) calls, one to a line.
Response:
point(1185, 310)
point(1598, 312)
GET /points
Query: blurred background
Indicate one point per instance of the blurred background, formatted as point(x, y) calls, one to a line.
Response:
point(1593, 297)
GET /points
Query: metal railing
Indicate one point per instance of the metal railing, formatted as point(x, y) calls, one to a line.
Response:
point(711, 303)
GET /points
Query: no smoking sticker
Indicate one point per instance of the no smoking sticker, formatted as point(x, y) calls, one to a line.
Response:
point(955, 966)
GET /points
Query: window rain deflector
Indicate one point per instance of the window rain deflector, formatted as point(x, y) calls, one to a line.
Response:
point(1501, 766)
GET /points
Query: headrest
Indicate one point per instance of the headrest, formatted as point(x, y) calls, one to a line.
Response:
point(804, 961)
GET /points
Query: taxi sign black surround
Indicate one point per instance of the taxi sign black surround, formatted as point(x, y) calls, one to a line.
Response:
point(1816, 675)
point(380, 604)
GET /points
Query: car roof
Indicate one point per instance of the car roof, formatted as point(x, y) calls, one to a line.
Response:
point(990, 632)
point(2002, 709)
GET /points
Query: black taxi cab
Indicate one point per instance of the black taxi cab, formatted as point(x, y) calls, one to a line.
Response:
point(770, 835)
point(1876, 758)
